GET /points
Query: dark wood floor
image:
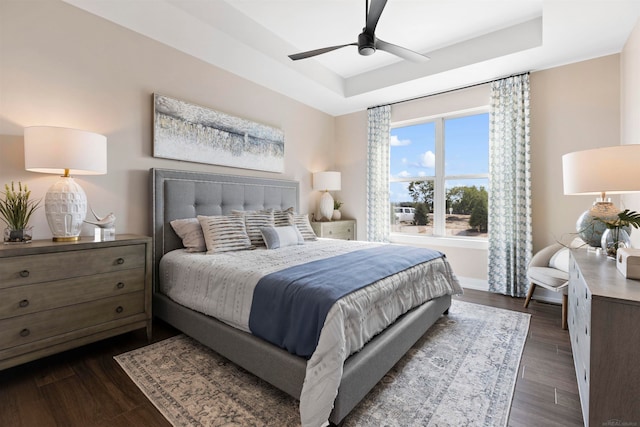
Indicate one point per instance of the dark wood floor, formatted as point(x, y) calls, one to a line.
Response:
point(85, 387)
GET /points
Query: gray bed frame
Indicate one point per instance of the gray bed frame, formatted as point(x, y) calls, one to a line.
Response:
point(183, 194)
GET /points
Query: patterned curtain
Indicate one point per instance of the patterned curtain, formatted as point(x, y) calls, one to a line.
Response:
point(378, 208)
point(510, 242)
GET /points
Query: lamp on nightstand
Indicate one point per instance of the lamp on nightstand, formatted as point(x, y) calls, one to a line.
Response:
point(65, 151)
point(326, 181)
point(600, 171)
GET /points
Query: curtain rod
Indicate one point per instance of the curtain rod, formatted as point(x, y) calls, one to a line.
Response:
point(451, 90)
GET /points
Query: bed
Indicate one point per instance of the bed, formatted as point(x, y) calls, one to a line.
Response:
point(183, 194)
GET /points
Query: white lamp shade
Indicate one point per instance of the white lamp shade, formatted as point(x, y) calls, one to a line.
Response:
point(326, 181)
point(50, 149)
point(611, 170)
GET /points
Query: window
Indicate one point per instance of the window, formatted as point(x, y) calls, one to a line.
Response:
point(440, 176)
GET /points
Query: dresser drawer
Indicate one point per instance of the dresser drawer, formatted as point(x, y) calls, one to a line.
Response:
point(344, 230)
point(25, 270)
point(29, 328)
point(21, 300)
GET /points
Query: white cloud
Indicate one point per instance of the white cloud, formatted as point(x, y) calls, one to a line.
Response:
point(394, 141)
point(404, 160)
point(427, 160)
point(403, 174)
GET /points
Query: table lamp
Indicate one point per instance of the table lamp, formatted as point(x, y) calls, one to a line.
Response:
point(600, 171)
point(326, 181)
point(65, 151)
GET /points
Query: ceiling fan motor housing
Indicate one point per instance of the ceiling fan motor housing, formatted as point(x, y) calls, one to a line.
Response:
point(366, 44)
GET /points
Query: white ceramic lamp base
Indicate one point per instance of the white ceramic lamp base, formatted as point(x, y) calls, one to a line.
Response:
point(326, 206)
point(65, 206)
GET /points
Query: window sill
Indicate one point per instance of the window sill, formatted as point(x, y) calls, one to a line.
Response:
point(457, 242)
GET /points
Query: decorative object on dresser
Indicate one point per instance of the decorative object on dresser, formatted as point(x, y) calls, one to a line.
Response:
point(616, 236)
point(65, 151)
point(604, 314)
point(628, 263)
point(600, 171)
point(344, 229)
point(56, 296)
point(16, 210)
point(189, 132)
point(337, 215)
point(326, 181)
point(105, 226)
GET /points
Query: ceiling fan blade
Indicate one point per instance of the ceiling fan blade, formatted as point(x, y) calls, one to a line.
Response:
point(310, 53)
point(375, 10)
point(400, 51)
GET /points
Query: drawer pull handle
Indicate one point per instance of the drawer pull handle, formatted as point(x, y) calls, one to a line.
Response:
point(330, 232)
point(119, 309)
point(120, 261)
point(120, 285)
point(25, 332)
point(23, 303)
point(24, 273)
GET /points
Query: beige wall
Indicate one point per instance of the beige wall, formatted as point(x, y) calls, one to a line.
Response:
point(61, 66)
point(574, 107)
point(630, 106)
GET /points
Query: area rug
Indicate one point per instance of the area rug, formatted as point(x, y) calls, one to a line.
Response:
point(461, 372)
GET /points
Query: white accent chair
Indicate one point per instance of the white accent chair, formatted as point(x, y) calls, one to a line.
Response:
point(549, 268)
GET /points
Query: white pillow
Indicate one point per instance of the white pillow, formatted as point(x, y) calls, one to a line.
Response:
point(190, 231)
point(280, 237)
point(224, 233)
point(560, 260)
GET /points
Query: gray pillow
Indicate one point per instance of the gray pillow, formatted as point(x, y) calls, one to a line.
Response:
point(280, 237)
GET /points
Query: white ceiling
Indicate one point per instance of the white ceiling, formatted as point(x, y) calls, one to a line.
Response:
point(469, 41)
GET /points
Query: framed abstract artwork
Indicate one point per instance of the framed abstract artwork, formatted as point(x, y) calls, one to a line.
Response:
point(192, 133)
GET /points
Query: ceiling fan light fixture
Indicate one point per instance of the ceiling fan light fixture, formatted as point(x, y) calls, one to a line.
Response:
point(366, 50)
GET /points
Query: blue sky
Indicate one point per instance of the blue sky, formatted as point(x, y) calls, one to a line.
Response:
point(466, 152)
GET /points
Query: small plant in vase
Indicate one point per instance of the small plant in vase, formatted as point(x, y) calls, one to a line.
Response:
point(336, 210)
point(15, 210)
point(618, 229)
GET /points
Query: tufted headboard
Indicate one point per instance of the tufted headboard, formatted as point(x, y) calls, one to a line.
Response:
point(183, 194)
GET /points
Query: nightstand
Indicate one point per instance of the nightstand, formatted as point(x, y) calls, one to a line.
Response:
point(344, 229)
point(59, 295)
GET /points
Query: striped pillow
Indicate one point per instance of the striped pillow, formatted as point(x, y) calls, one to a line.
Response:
point(224, 233)
point(283, 218)
point(253, 222)
point(301, 221)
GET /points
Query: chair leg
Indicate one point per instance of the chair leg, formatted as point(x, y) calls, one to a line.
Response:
point(532, 287)
point(564, 310)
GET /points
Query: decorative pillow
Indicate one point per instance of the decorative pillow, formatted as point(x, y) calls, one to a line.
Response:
point(304, 226)
point(283, 218)
point(253, 221)
point(190, 231)
point(224, 233)
point(280, 237)
point(560, 260)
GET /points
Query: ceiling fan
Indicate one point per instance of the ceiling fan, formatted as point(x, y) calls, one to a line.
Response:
point(368, 43)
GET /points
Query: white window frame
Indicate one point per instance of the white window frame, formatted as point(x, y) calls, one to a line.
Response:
point(439, 202)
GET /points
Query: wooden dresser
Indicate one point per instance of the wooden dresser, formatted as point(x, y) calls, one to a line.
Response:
point(604, 325)
point(343, 229)
point(55, 296)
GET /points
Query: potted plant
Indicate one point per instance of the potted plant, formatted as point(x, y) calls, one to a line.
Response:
point(15, 210)
point(618, 229)
point(336, 210)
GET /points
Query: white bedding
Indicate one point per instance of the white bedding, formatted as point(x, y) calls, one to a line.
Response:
point(222, 285)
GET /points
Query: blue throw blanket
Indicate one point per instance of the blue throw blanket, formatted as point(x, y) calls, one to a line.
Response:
point(290, 306)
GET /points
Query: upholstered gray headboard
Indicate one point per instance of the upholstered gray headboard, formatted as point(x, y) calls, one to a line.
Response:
point(183, 194)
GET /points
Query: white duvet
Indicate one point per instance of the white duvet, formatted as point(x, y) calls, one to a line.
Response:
point(222, 285)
